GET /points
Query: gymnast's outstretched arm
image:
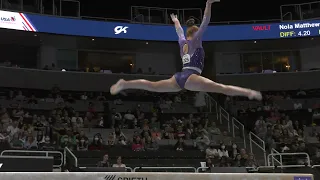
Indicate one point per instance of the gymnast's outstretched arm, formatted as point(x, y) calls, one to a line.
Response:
point(206, 19)
point(178, 27)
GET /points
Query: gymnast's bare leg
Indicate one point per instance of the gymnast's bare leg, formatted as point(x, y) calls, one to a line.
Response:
point(194, 83)
point(199, 83)
point(168, 85)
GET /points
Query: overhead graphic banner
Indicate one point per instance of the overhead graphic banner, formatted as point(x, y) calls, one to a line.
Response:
point(78, 27)
point(14, 20)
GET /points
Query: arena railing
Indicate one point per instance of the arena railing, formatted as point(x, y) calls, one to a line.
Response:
point(290, 154)
point(233, 125)
point(164, 168)
point(224, 116)
point(35, 153)
point(67, 151)
point(300, 8)
point(237, 125)
point(254, 139)
point(212, 104)
point(128, 169)
point(57, 10)
point(274, 159)
point(203, 169)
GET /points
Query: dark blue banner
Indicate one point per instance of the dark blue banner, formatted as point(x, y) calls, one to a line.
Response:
point(71, 26)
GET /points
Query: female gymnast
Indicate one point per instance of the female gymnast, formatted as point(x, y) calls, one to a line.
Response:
point(192, 55)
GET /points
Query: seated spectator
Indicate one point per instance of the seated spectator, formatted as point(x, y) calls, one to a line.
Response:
point(118, 102)
point(225, 139)
point(13, 128)
point(18, 112)
point(84, 96)
point(15, 142)
point(91, 108)
point(82, 144)
point(137, 145)
point(40, 137)
point(82, 135)
point(43, 121)
point(76, 119)
point(180, 145)
point(32, 100)
point(46, 144)
point(116, 118)
point(243, 153)
point(68, 141)
point(145, 131)
point(235, 151)
point(156, 134)
point(66, 119)
point(119, 163)
point(55, 89)
point(302, 148)
point(211, 152)
point(288, 123)
point(30, 143)
point(261, 129)
point(222, 151)
point(10, 96)
point(119, 136)
point(122, 141)
point(101, 97)
point(238, 161)
point(209, 165)
point(202, 141)
point(301, 137)
point(259, 122)
point(251, 162)
point(70, 99)
point(201, 128)
point(49, 99)
point(59, 99)
point(190, 134)
point(200, 101)
point(168, 132)
point(141, 118)
point(297, 125)
point(130, 119)
point(213, 129)
point(180, 133)
point(154, 122)
point(96, 143)
point(110, 140)
point(224, 162)
point(100, 122)
point(316, 158)
point(150, 144)
point(20, 97)
point(5, 118)
point(301, 93)
point(104, 162)
point(3, 134)
point(177, 99)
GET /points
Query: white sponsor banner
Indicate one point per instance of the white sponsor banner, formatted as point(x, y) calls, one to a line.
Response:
point(152, 176)
point(15, 20)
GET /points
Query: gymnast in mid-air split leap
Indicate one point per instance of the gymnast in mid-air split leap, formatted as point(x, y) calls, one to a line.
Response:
point(192, 55)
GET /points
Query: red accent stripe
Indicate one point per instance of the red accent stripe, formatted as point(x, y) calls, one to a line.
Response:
point(26, 22)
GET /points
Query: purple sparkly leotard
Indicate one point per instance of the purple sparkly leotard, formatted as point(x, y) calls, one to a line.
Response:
point(193, 61)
